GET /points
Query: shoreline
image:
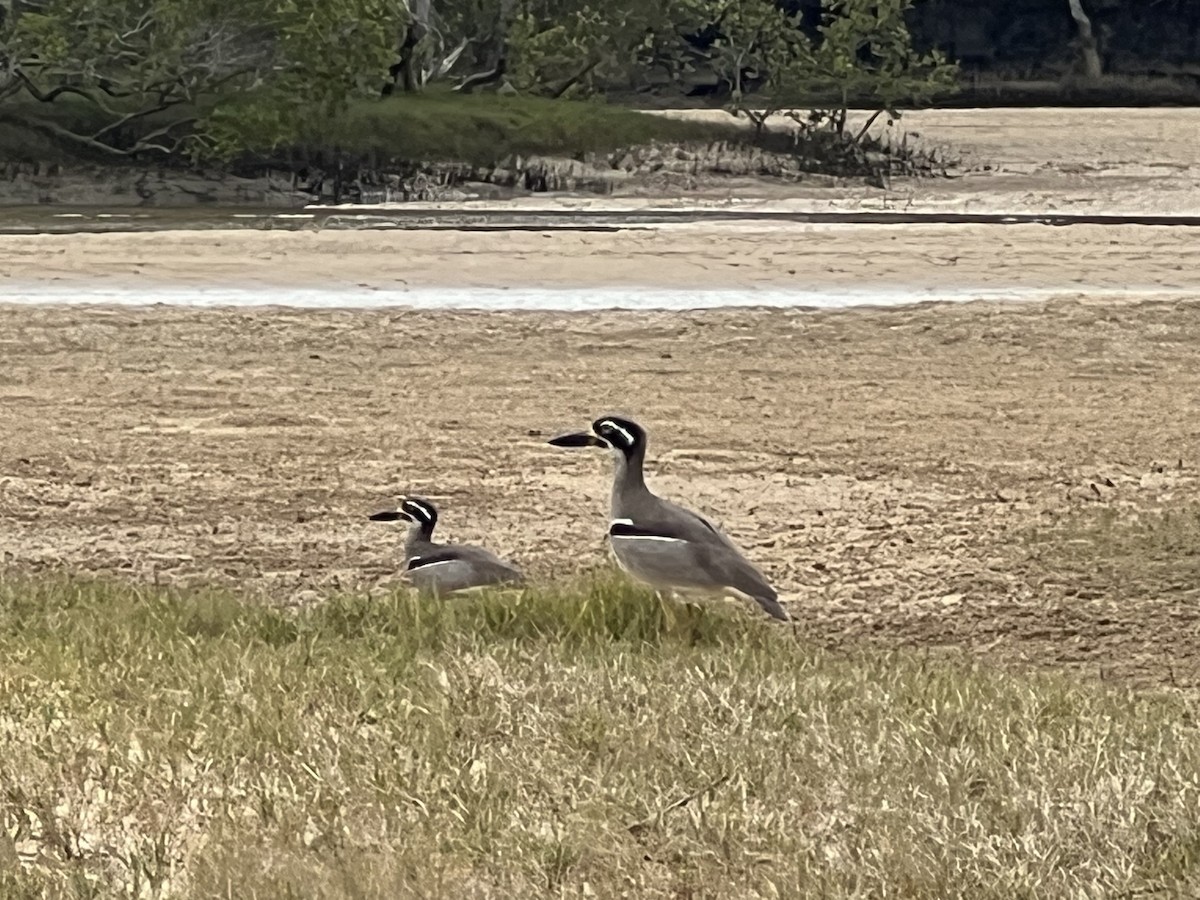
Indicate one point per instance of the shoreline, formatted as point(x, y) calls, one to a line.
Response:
point(566, 301)
point(1132, 161)
point(560, 217)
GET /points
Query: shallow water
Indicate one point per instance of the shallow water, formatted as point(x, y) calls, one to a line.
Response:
point(526, 299)
point(81, 220)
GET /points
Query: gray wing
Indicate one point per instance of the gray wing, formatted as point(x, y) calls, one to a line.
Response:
point(701, 556)
point(447, 569)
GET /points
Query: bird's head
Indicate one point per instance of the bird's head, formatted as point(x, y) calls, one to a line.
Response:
point(414, 510)
point(613, 432)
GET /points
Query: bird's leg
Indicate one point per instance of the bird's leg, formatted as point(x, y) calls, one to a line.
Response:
point(686, 601)
point(667, 607)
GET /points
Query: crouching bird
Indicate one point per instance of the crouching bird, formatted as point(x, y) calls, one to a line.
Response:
point(670, 548)
point(441, 569)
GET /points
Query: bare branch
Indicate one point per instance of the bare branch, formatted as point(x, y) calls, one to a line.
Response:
point(139, 114)
point(142, 145)
point(573, 80)
point(440, 68)
point(1093, 65)
point(144, 22)
point(53, 94)
point(867, 127)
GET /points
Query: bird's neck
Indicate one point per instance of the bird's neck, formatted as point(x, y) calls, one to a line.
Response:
point(629, 480)
point(419, 537)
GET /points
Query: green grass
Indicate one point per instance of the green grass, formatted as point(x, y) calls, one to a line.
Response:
point(567, 742)
point(436, 126)
point(440, 125)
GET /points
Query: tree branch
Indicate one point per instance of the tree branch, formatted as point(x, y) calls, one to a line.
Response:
point(54, 93)
point(10, 88)
point(143, 142)
point(144, 22)
point(871, 121)
point(574, 79)
point(471, 82)
point(1087, 40)
point(141, 145)
point(133, 116)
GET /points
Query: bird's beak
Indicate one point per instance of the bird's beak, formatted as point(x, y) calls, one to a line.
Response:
point(579, 439)
point(391, 515)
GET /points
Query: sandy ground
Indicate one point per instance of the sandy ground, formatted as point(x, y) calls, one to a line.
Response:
point(918, 258)
point(1074, 161)
point(1018, 480)
point(1013, 161)
point(917, 476)
point(1027, 160)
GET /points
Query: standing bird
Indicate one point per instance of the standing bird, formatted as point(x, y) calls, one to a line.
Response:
point(671, 548)
point(441, 569)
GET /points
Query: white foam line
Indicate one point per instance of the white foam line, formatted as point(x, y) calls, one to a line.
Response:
point(560, 300)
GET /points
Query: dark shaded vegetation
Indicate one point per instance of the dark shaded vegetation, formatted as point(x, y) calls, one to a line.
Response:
point(481, 128)
point(188, 82)
point(1034, 40)
point(1029, 53)
point(433, 125)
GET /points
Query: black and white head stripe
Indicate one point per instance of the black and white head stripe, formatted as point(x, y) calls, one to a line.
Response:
point(422, 511)
point(621, 434)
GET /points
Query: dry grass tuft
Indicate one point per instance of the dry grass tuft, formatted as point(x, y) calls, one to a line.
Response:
point(575, 741)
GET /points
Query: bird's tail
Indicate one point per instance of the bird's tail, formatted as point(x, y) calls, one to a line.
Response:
point(773, 608)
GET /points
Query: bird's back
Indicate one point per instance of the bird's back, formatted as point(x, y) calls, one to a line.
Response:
point(670, 546)
point(444, 569)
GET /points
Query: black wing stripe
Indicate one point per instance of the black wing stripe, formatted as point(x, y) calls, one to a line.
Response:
point(418, 561)
point(624, 529)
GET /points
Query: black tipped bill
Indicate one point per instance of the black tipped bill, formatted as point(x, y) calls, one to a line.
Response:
point(579, 439)
point(390, 515)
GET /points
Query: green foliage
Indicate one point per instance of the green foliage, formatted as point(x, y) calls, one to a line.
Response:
point(864, 50)
point(582, 45)
point(326, 53)
point(433, 126)
point(762, 40)
point(154, 70)
point(215, 79)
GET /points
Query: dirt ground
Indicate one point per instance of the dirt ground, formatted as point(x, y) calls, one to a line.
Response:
point(925, 259)
point(1017, 479)
point(1105, 161)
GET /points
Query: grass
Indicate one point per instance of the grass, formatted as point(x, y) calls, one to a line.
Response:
point(439, 125)
point(442, 126)
point(578, 741)
point(435, 126)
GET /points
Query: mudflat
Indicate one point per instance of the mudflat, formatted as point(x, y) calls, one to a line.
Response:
point(1015, 479)
point(926, 259)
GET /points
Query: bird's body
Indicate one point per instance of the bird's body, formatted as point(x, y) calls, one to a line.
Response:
point(441, 569)
point(661, 543)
